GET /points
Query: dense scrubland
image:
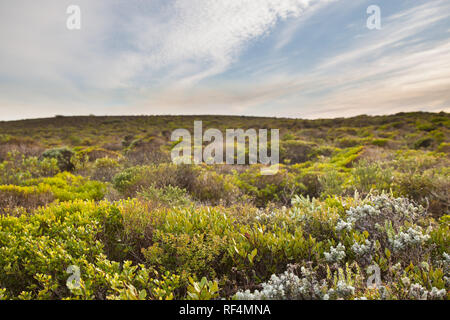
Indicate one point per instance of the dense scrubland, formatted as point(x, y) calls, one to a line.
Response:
point(352, 197)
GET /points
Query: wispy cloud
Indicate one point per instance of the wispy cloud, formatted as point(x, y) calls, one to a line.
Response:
point(202, 38)
point(263, 57)
point(398, 68)
point(378, 72)
point(126, 45)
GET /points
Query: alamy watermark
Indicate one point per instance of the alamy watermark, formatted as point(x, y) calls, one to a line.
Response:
point(74, 20)
point(374, 281)
point(374, 20)
point(73, 282)
point(219, 148)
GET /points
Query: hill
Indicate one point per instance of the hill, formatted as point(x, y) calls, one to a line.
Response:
point(101, 196)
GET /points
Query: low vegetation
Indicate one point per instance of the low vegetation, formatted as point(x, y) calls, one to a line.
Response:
point(358, 210)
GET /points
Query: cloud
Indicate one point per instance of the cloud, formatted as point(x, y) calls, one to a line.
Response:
point(392, 70)
point(379, 72)
point(199, 56)
point(202, 38)
point(397, 31)
point(126, 47)
point(288, 34)
point(236, 98)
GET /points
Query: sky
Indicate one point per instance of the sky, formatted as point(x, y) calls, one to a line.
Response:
point(284, 58)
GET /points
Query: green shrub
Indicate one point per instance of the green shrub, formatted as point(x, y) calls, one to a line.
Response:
point(36, 251)
point(215, 188)
point(332, 182)
point(279, 187)
point(66, 186)
point(63, 156)
point(203, 290)
point(93, 154)
point(370, 175)
point(133, 179)
point(425, 126)
point(17, 168)
point(346, 157)
point(424, 142)
point(348, 142)
point(380, 142)
point(294, 151)
point(444, 147)
point(105, 169)
point(29, 198)
point(168, 196)
point(338, 238)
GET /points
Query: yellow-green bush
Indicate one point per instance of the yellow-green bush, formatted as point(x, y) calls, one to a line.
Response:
point(27, 197)
point(66, 186)
point(105, 169)
point(315, 230)
point(17, 168)
point(234, 251)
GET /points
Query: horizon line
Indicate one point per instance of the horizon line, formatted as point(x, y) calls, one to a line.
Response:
point(223, 115)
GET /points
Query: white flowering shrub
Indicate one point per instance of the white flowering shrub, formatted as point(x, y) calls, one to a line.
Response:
point(316, 218)
point(406, 239)
point(344, 225)
point(446, 267)
point(336, 254)
point(381, 248)
point(342, 291)
point(263, 216)
point(417, 292)
point(373, 215)
point(364, 251)
point(288, 286)
point(391, 223)
point(446, 261)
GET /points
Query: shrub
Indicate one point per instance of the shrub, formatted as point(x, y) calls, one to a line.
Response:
point(424, 142)
point(93, 154)
point(370, 175)
point(34, 266)
point(429, 188)
point(444, 147)
point(27, 258)
point(203, 290)
point(346, 157)
point(133, 179)
point(167, 196)
point(348, 142)
point(214, 188)
point(332, 183)
point(380, 142)
point(66, 186)
point(190, 241)
point(22, 145)
point(287, 286)
point(105, 169)
point(330, 241)
point(29, 198)
point(295, 151)
point(279, 187)
point(147, 152)
point(17, 168)
point(63, 156)
point(391, 222)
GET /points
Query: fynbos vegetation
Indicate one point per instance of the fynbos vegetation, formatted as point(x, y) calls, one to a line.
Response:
point(93, 208)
